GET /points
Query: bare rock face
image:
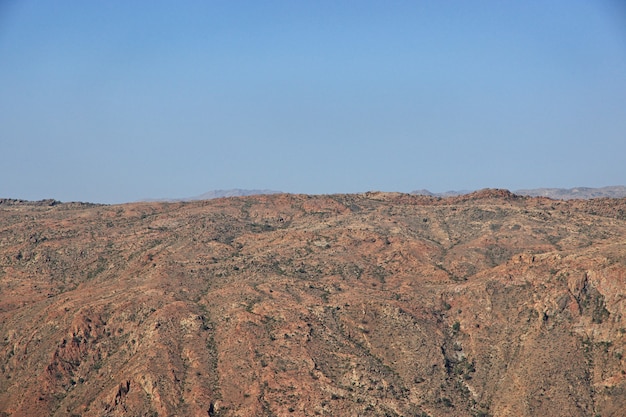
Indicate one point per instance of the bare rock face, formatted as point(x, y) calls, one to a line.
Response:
point(380, 304)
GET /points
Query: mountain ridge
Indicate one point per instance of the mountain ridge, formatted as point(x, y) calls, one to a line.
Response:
point(615, 191)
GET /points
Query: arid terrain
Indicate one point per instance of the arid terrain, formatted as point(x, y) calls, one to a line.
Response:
point(375, 304)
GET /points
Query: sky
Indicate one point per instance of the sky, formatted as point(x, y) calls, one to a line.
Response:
point(117, 101)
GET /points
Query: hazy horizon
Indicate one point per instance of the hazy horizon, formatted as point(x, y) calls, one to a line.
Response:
point(116, 102)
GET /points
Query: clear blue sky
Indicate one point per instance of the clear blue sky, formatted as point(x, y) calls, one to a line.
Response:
point(115, 101)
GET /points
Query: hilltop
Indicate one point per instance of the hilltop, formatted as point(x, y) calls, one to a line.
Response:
point(378, 304)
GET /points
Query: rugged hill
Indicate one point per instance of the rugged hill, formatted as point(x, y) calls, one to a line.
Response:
point(292, 305)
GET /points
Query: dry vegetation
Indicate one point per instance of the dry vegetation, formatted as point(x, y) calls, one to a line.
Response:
point(377, 304)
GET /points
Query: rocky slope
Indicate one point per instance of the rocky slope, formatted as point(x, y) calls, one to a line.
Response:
point(487, 304)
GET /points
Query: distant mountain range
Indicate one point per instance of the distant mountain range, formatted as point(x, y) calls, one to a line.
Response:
point(617, 191)
point(236, 192)
point(231, 193)
point(444, 194)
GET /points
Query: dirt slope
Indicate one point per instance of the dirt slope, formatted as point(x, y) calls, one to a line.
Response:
point(488, 304)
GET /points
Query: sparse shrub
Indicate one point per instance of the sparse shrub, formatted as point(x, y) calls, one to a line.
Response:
point(446, 401)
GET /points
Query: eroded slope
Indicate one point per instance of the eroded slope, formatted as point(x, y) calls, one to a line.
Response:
point(373, 304)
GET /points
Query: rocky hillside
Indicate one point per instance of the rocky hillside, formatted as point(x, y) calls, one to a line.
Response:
point(487, 304)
